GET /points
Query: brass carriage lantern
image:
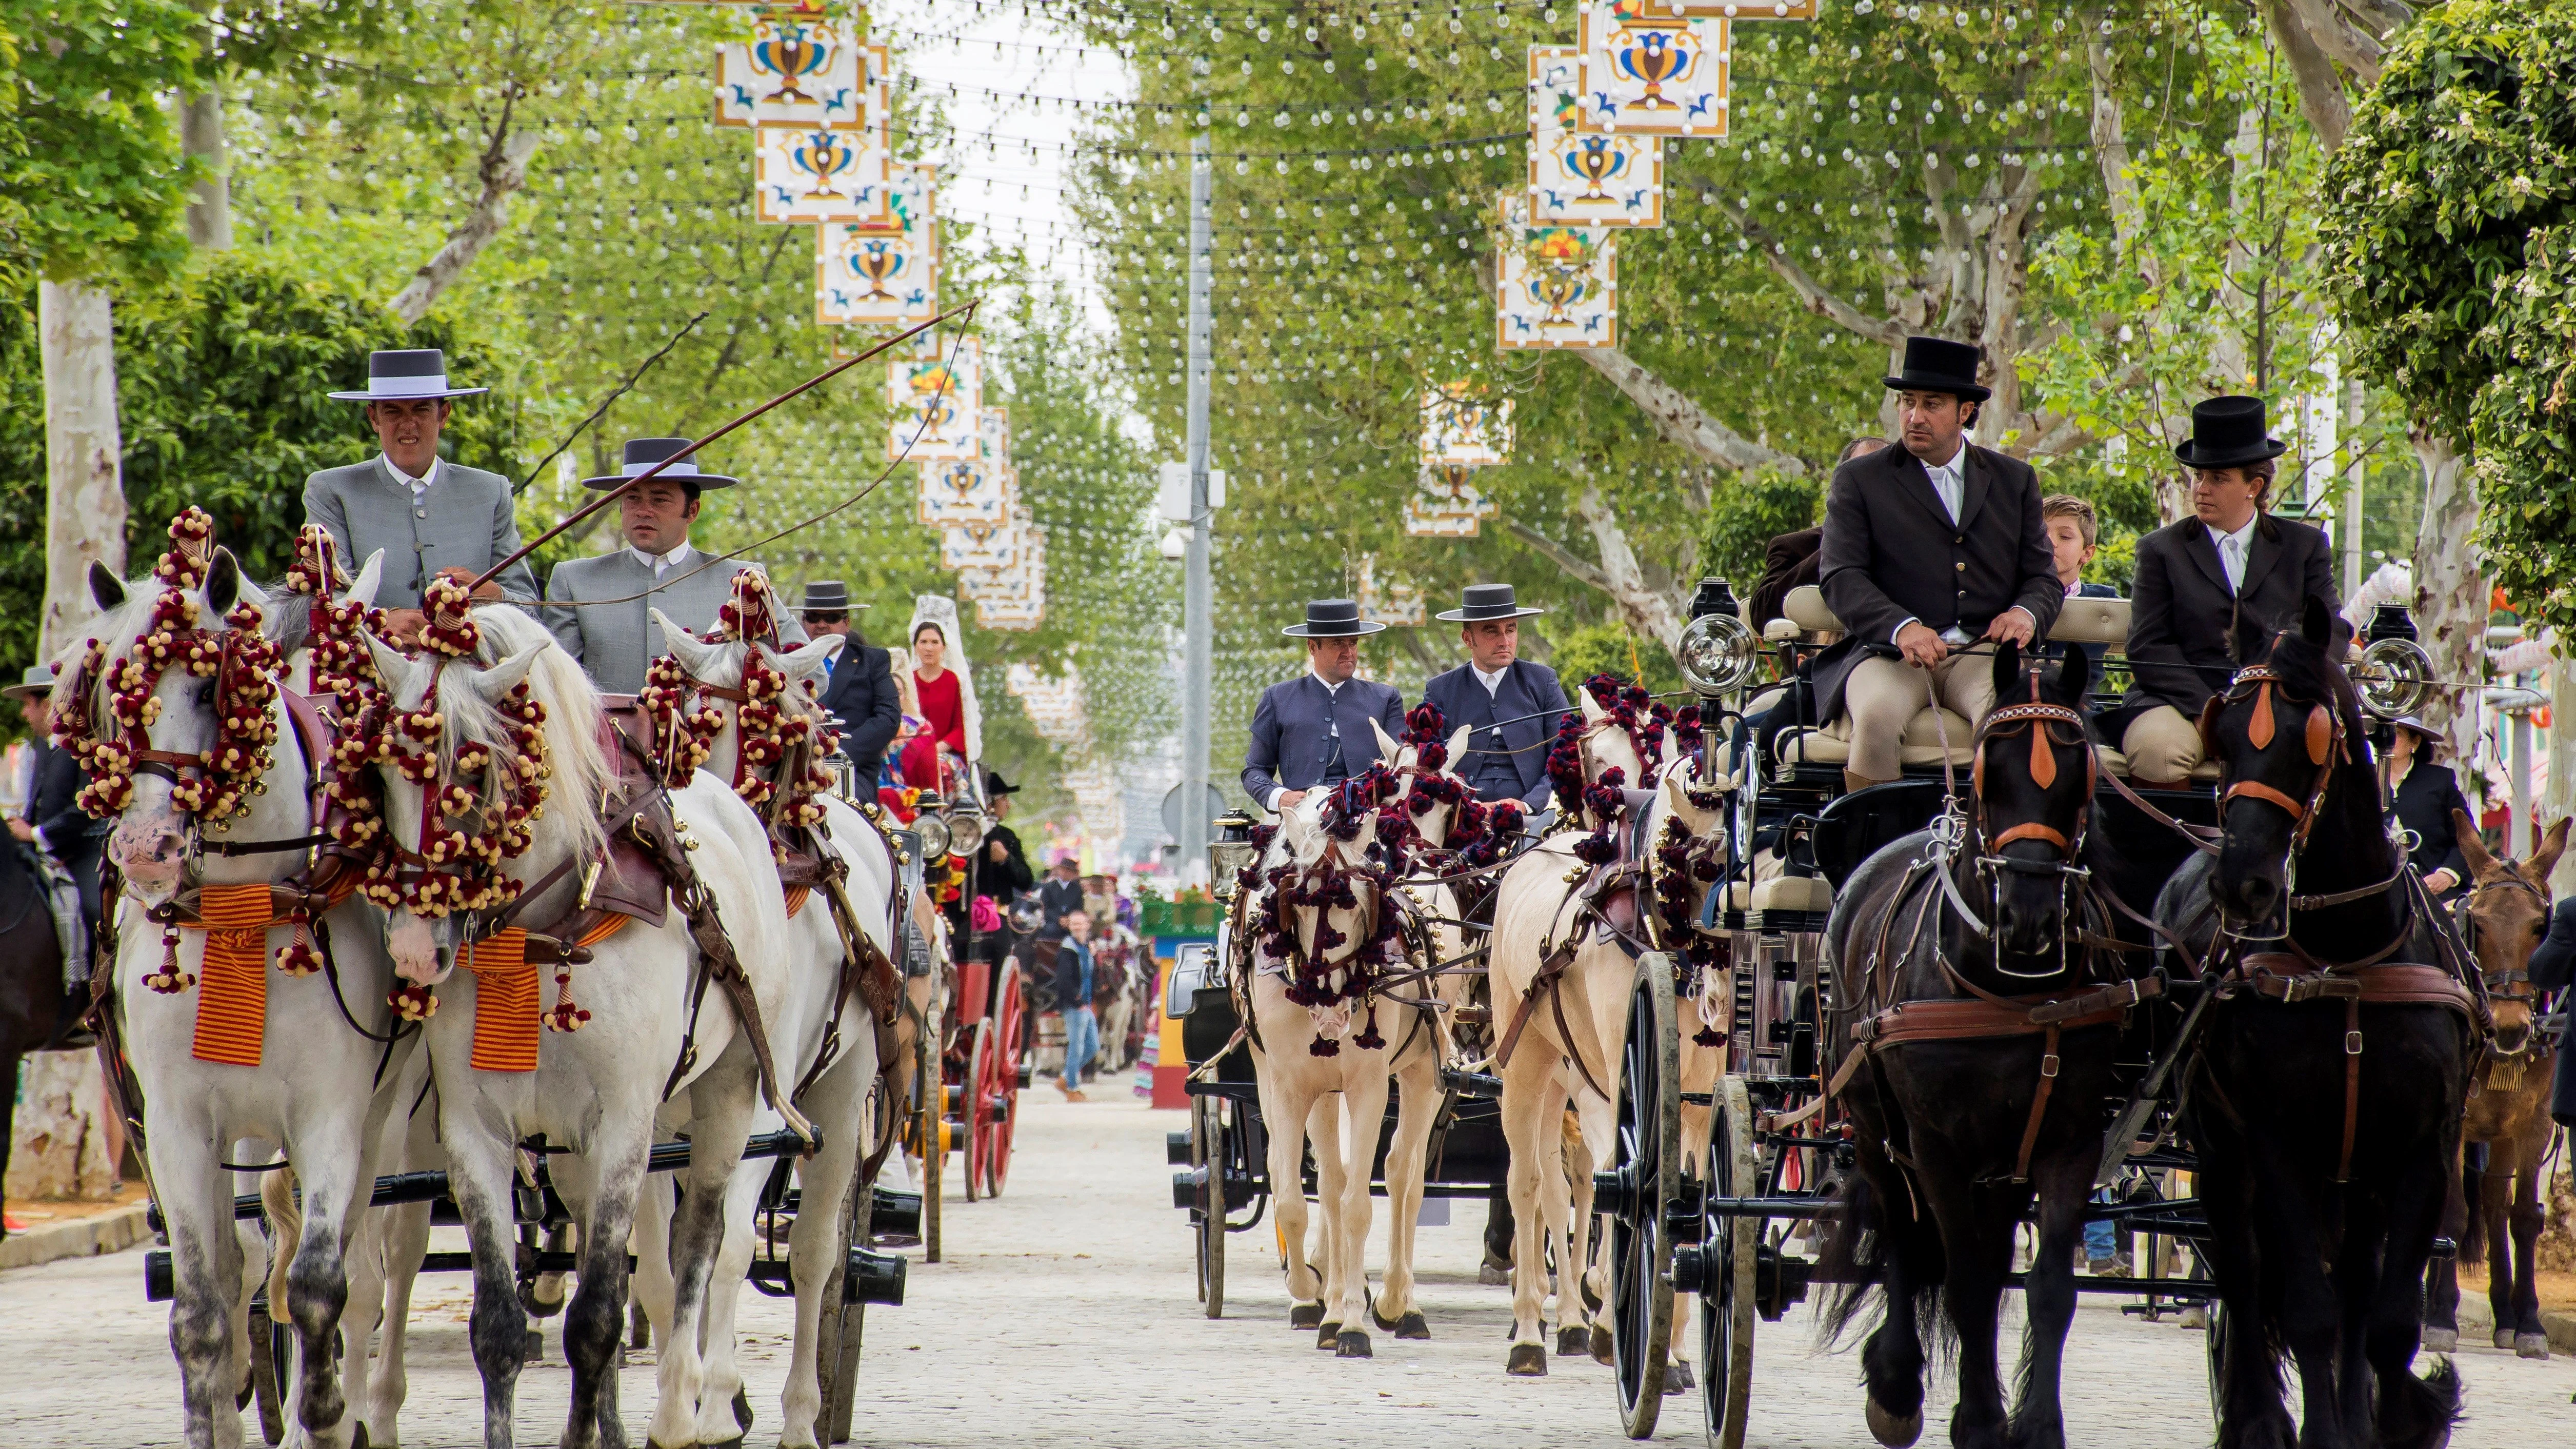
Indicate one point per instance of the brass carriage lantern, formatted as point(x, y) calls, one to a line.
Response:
point(1229, 853)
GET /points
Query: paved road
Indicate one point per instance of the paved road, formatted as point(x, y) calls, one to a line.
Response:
point(1065, 1316)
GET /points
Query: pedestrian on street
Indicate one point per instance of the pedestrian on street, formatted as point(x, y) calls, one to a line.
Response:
point(1073, 998)
point(428, 516)
point(859, 692)
point(1312, 732)
point(1060, 893)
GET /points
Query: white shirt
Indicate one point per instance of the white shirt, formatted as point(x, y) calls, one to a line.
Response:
point(419, 485)
point(1493, 682)
point(661, 564)
point(1950, 480)
point(2233, 549)
point(1332, 725)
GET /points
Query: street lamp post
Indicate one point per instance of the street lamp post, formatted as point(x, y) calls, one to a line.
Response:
point(1197, 602)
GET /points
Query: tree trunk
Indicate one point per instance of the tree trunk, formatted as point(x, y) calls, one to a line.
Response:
point(2451, 592)
point(210, 206)
point(64, 1148)
point(1682, 422)
point(84, 472)
point(505, 172)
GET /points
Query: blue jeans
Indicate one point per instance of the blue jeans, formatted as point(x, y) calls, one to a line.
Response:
point(2101, 1239)
point(1081, 1044)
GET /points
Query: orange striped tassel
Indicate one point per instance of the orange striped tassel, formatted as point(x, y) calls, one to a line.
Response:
point(505, 1002)
point(796, 899)
point(232, 1007)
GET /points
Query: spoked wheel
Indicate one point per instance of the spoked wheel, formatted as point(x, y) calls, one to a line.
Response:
point(843, 1325)
point(1645, 1167)
point(1727, 1254)
point(1000, 1090)
point(931, 1124)
point(977, 1113)
point(1208, 1149)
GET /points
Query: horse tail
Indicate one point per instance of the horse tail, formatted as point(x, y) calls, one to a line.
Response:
point(2473, 1233)
point(1857, 1217)
point(2419, 1413)
point(285, 1232)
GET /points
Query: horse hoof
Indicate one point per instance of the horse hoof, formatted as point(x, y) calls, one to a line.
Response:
point(1528, 1360)
point(358, 1438)
point(742, 1408)
point(1892, 1431)
point(1328, 1336)
point(2194, 1317)
point(1352, 1344)
point(1493, 1277)
point(1573, 1341)
point(1305, 1315)
point(1412, 1325)
point(2504, 1338)
point(2531, 1345)
point(1601, 1348)
point(2441, 1340)
point(1678, 1378)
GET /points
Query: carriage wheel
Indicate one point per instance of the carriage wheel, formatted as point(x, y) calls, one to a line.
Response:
point(272, 1369)
point(978, 1107)
point(1214, 1154)
point(843, 1325)
point(1010, 1022)
point(1646, 1161)
point(931, 1125)
point(1728, 1243)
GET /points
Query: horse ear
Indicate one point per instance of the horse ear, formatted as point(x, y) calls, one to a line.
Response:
point(1592, 711)
point(2007, 670)
point(2554, 844)
point(501, 678)
point(105, 589)
point(372, 577)
point(2316, 621)
point(1458, 746)
point(223, 583)
point(393, 666)
point(2464, 834)
point(695, 654)
point(805, 658)
point(1386, 746)
point(2074, 673)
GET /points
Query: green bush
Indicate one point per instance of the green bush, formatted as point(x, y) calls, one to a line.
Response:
point(1606, 649)
point(1744, 517)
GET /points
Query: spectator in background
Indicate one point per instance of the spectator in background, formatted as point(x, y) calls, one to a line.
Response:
point(1060, 893)
point(1001, 873)
point(2422, 792)
point(1790, 560)
point(860, 690)
point(1073, 998)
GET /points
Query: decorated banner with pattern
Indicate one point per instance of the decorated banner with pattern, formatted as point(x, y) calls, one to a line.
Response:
point(885, 273)
point(1555, 285)
point(1446, 505)
point(994, 545)
point(797, 73)
point(964, 491)
point(1598, 178)
point(818, 174)
point(1745, 9)
point(1459, 426)
point(1650, 71)
point(936, 405)
point(997, 436)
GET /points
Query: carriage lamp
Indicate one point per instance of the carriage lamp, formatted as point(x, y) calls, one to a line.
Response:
point(1717, 653)
point(934, 834)
point(1713, 597)
point(1229, 853)
point(965, 825)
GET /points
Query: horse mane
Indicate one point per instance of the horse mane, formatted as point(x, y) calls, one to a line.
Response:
point(580, 769)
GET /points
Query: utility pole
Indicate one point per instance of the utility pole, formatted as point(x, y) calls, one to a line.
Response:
point(2352, 489)
point(1198, 609)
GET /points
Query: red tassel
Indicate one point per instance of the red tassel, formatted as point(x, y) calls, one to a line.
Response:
point(413, 1002)
point(170, 980)
point(297, 957)
point(565, 1016)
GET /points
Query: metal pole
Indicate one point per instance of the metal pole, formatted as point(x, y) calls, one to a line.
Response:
point(2352, 489)
point(1197, 601)
point(2521, 830)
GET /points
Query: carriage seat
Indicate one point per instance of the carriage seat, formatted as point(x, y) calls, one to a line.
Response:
point(1921, 744)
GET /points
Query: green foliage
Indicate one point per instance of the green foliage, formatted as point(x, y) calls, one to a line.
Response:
point(1743, 518)
point(2452, 247)
point(1611, 649)
point(90, 176)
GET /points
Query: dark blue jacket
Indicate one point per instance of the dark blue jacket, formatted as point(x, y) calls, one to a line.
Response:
point(861, 692)
point(1304, 735)
point(1506, 762)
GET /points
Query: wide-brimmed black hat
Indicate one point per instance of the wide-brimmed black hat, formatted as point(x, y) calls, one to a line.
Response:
point(642, 453)
point(2228, 432)
point(995, 787)
point(826, 596)
point(1486, 601)
point(1937, 364)
point(2414, 723)
point(407, 373)
point(1332, 619)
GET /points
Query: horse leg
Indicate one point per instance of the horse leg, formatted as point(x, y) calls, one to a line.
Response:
point(836, 1104)
point(317, 1281)
point(2411, 1413)
point(1530, 1106)
point(479, 1172)
point(1418, 1093)
point(2309, 1313)
point(1285, 1111)
point(1568, 1236)
point(404, 1232)
point(2526, 1219)
point(2442, 1298)
point(364, 1316)
point(721, 1105)
point(720, 1382)
point(1599, 1127)
point(653, 1288)
point(599, 1188)
point(2065, 1188)
point(207, 1292)
point(1909, 1273)
point(1324, 1125)
point(1977, 1231)
point(1365, 1100)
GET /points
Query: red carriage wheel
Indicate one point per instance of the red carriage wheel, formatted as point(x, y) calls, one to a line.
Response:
point(999, 1085)
point(978, 1109)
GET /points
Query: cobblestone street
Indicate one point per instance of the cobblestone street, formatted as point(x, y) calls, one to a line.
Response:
point(1065, 1316)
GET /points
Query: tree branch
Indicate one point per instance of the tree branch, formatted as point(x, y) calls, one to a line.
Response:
point(504, 171)
point(1559, 555)
point(2321, 97)
point(2128, 216)
point(1819, 301)
point(1683, 422)
point(2355, 49)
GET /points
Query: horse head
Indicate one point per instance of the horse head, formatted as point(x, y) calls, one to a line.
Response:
point(2282, 729)
point(2506, 914)
point(1327, 916)
point(172, 708)
point(481, 733)
point(2032, 770)
point(712, 675)
point(1428, 787)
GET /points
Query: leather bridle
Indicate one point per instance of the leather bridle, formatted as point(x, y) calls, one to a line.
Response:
point(2325, 737)
point(2512, 983)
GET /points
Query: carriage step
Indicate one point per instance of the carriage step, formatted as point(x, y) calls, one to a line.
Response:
point(1471, 1084)
point(1176, 1149)
point(868, 1277)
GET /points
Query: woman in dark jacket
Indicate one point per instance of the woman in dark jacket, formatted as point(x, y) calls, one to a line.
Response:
point(2422, 793)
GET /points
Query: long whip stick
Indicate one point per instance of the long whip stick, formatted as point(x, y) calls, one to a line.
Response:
point(808, 385)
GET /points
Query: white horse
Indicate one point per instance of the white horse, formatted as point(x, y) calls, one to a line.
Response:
point(648, 1034)
point(836, 1099)
point(320, 1086)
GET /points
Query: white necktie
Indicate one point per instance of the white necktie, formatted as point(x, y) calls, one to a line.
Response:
point(2233, 553)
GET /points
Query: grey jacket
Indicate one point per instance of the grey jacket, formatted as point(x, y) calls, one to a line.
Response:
point(615, 640)
point(464, 522)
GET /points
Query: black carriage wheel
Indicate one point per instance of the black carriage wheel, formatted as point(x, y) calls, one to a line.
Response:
point(1646, 1159)
point(1727, 1243)
point(1212, 1205)
point(843, 1325)
point(929, 1124)
point(272, 1370)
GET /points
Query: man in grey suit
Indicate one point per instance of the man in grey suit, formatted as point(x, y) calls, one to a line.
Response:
point(1511, 704)
point(429, 516)
point(600, 608)
point(1312, 732)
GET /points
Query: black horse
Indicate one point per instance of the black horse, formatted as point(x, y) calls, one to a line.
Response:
point(2325, 1099)
point(34, 1012)
point(1977, 1054)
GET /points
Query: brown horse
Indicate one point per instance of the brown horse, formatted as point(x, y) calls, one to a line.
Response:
point(34, 1015)
point(2501, 1209)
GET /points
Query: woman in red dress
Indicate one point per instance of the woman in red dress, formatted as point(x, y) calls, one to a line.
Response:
point(941, 706)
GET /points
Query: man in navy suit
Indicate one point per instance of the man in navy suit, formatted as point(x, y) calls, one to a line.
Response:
point(1313, 731)
point(1511, 705)
point(860, 692)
